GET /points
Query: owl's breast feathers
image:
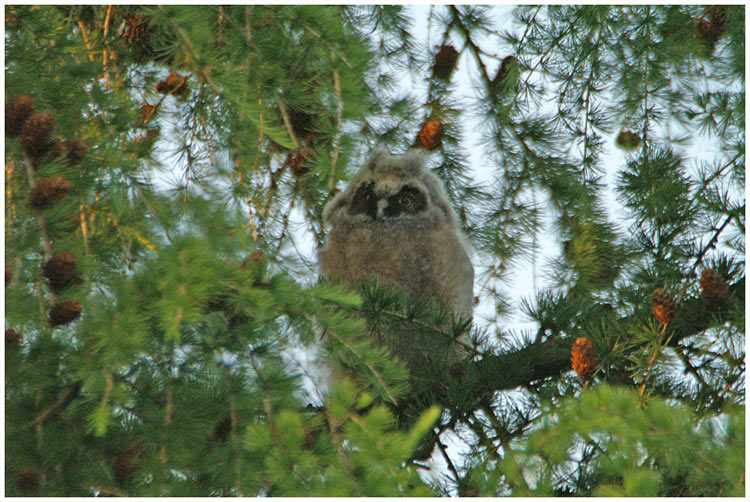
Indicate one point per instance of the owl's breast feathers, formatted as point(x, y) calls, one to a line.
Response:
point(421, 257)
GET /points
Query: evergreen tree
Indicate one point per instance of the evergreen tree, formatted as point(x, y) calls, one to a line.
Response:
point(151, 333)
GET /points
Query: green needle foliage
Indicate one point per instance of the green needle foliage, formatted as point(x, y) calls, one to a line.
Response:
point(166, 170)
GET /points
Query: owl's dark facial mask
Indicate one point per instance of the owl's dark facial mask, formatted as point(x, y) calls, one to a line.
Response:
point(364, 201)
point(409, 200)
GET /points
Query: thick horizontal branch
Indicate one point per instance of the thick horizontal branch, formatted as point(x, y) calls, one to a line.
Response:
point(551, 358)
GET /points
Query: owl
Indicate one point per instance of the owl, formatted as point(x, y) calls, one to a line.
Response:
point(394, 223)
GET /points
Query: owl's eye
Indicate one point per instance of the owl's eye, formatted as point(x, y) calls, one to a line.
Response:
point(408, 200)
point(364, 201)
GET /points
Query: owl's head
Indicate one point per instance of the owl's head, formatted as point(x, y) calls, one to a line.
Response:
point(389, 188)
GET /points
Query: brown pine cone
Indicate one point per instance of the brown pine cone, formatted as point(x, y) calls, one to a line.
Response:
point(714, 289)
point(628, 140)
point(174, 84)
point(222, 429)
point(60, 271)
point(36, 134)
point(64, 312)
point(49, 191)
point(126, 462)
point(11, 337)
point(445, 62)
point(137, 29)
point(17, 110)
point(431, 135)
point(583, 358)
point(711, 25)
point(75, 151)
point(663, 305)
point(296, 161)
point(28, 479)
point(301, 122)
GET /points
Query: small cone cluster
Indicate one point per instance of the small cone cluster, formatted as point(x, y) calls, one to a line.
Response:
point(296, 161)
point(222, 429)
point(445, 62)
point(583, 358)
point(301, 123)
point(49, 191)
point(713, 288)
point(17, 110)
point(27, 480)
point(628, 140)
point(36, 134)
point(136, 33)
point(60, 271)
point(174, 84)
point(64, 312)
point(430, 136)
point(11, 337)
point(137, 29)
point(663, 305)
point(127, 460)
point(710, 26)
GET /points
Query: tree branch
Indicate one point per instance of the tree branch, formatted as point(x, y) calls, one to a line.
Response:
point(551, 358)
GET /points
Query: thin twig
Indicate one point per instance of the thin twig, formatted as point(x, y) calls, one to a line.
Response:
point(62, 402)
point(46, 243)
point(86, 39)
point(658, 349)
point(287, 122)
point(449, 462)
point(339, 119)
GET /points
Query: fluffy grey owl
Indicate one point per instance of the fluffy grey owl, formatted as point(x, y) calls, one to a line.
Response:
point(394, 223)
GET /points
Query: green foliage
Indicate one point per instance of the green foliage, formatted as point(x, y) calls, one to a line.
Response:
point(606, 443)
point(611, 138)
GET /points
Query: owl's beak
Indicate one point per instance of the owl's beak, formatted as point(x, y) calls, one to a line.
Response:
point(382, 204)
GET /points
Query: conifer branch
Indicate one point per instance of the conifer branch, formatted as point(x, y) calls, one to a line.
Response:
point(62, 402)
point(538, 361)
point(287, 121)
point(39, 218)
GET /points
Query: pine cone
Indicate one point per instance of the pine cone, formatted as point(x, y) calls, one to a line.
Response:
point(28, 479)
point(60, 271)
point(76, 151)
point(17, 110)
point(49, 191)
point(663, 305)
point(711, 25)
point(126, 461)
point(137, 29)
point(11, 337)
point(583, 358)
point(714, 289)
point(445, 62)
point(222, 429)
point(58, 148)
point(174, 84)
point(64, 312)
point(301, 122)
point(147, 111)
point(431, 135)
point(296, 161)
point(628, 140)
point(36, 134)
point(137, 32)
